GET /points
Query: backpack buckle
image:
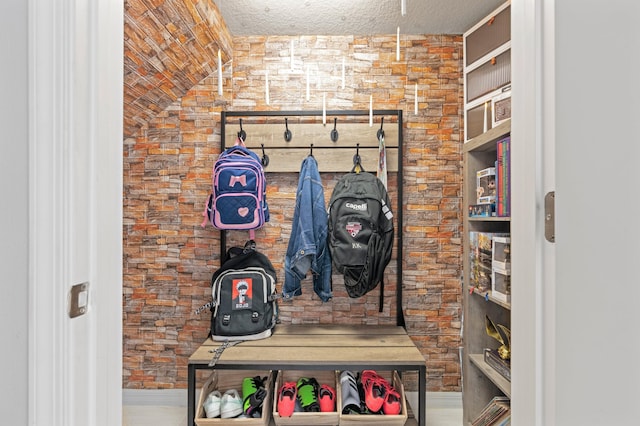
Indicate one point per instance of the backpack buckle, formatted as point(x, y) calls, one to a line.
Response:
point(226, 319)
point(249, 246)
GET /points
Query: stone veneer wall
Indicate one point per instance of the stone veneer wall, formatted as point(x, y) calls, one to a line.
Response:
point(169, 258)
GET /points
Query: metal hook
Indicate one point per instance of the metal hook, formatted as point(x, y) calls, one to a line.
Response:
point(334, 132)
point(357, 161)
point(380, 133)
point(242, 134)
point(287, 133)
point(265, 157)
point(311, 150)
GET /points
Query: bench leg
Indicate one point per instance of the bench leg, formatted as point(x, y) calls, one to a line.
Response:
point(422, 395)
point(191, 395)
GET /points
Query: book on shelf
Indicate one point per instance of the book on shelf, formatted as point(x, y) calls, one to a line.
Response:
point(495, 411)
point(504, 420)
point(502, 366)
point(503, 177)
point(499, 183)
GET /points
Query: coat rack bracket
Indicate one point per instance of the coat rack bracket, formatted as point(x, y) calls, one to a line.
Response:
point(266, 131)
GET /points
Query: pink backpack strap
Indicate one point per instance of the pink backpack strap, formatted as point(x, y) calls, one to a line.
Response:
point(204, 213)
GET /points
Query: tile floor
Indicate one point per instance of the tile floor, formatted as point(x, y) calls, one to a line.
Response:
point(438, 414)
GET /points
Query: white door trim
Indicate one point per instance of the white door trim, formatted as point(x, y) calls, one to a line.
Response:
point(108, 102)
point(533, 298)
point(46, 295)
point(63, 50)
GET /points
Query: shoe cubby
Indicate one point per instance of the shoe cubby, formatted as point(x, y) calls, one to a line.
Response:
point(376, 419)
point(224, 380)
point(323, 377)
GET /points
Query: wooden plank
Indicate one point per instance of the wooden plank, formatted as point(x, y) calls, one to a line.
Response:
point(325, 330)
point(304, 134)
point(493, 375)
point(331, 156)
point(301, 356)
point(355, 341)
point(329, 159)
point(339, 329)
point(485, 141)
point(315, 356)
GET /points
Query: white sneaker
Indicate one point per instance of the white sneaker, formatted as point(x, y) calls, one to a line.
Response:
point(212, 405)
point(230, 404)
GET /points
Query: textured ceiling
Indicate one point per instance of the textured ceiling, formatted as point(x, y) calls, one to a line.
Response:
point(352, 17)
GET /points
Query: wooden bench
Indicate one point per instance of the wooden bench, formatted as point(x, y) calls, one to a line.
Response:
point(317, 347)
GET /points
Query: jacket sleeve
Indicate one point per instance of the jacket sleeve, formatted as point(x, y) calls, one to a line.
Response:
point(305, 247)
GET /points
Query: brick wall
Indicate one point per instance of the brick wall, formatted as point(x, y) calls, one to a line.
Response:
point(169, 45)
point(169, 258)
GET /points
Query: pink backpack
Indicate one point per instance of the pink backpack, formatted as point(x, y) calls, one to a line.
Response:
point(238, 200)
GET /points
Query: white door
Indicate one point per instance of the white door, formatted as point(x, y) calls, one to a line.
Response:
point(575, 305)
point(597, 152)
point(75, 175)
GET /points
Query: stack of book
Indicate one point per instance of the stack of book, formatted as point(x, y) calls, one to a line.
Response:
point(496, 413)
point(503, 177)
point(502, 366)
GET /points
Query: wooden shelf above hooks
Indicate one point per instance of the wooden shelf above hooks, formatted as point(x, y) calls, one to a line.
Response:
point(267, 129)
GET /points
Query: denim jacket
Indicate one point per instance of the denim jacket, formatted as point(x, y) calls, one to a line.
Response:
point(308, 246)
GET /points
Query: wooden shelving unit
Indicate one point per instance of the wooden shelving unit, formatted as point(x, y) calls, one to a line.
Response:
point(480, 381)
point(487, 88)
point(497, 379)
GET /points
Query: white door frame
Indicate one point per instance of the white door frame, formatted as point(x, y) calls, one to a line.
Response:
point(52, 56)
point(75, 69)
point(533, 160)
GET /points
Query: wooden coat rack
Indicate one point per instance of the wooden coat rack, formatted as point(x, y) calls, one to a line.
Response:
point(288, 137)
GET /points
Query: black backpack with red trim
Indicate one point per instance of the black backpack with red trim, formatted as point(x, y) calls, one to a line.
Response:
point(360, 231)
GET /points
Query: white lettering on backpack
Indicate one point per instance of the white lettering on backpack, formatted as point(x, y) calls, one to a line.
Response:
point(358, 207)
point(356, 245)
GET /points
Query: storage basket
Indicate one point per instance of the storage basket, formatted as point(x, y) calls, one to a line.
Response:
point(323, 377)
point(378, 419)
point(224, 380)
